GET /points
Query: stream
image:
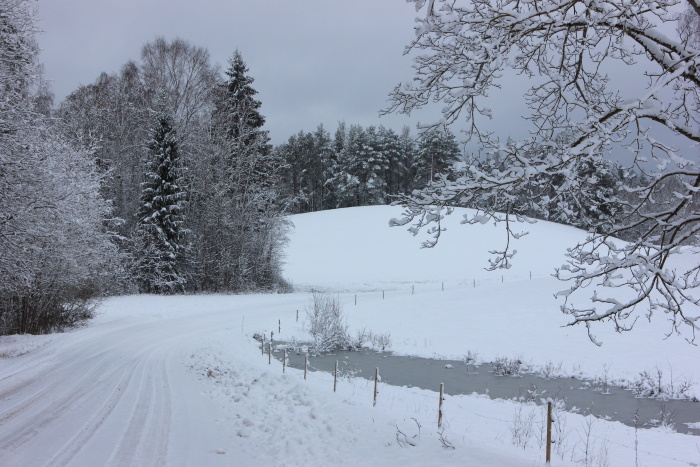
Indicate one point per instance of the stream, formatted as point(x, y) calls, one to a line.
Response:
point(579, 396)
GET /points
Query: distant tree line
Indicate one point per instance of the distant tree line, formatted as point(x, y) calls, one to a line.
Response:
point(369, 166)
point(360, 166)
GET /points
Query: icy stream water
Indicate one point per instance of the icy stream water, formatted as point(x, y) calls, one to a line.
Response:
point(579, 396)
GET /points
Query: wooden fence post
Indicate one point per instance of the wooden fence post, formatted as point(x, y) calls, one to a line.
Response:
point(284, 361)
point(263, 345)
point(549, 432)
point(376, 378)
point(442, 386)
point(269, 353)
point(279, 326)
point(306, 364)
point(382, 295)
point(355, 299)
point(297, 316)
point(335, 376)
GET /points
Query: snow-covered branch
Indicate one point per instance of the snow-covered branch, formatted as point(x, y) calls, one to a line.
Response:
point(571, 53)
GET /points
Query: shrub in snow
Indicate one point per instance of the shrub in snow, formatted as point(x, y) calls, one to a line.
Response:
point(326, 323)
point(653, 384)
point(373, 340)
point(503, 366)
point(361, 338)
point(522, 427)
point(381, 340)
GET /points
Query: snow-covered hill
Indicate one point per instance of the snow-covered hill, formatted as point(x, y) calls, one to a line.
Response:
point(354, 248)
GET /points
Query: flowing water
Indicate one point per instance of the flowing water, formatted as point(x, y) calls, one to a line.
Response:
point(615, 403)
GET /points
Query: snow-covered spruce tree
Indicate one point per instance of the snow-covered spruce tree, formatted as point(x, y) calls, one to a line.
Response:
point(239, 225)
point(572, 54)
point(160, 235)
point(307, 158)
point(359, 178)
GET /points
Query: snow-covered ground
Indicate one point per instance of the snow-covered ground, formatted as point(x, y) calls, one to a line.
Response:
point(180, 380)
point(496, 314)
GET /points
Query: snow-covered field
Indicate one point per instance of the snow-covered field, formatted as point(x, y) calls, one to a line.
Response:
point(180, 380)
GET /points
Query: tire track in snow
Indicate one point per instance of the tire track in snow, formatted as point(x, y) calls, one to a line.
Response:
point(76, 443)
point(49, 402)
point(60, 390)
point(90, 370)
point(145, 439)
point(73, 348)
point(72, 404)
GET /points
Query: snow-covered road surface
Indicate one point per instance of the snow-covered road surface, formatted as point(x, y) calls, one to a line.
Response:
point(106, 394)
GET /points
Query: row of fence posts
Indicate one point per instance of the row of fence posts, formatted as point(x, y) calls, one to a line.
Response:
point(376, 383)
point(376, 376)
point(413, 290)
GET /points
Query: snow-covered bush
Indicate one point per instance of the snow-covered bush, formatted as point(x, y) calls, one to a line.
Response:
point(653, 384)
point(522, 427)
point(380, 340)
point(503, 366)
point(361, 337)
point(326, 323)
point(376, 340)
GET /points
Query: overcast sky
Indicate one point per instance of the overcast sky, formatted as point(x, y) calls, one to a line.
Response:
point(314, 61)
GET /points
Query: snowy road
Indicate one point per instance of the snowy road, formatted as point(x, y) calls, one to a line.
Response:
point(106, 394)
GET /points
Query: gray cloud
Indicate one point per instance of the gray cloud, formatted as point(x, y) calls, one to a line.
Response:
point(314, 61)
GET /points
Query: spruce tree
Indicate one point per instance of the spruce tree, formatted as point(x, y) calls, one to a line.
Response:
point(237, 111)
point(160, 234)
point(246, 255)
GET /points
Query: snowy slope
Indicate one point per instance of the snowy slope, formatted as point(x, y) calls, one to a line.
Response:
point(354, 248)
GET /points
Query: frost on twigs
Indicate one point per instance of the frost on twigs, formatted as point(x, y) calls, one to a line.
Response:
point(608, 266)
point(571, 53)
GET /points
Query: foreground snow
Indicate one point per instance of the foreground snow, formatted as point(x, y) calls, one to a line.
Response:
point(180, 380)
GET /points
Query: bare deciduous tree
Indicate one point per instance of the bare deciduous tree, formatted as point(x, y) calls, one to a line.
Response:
point(570, 51)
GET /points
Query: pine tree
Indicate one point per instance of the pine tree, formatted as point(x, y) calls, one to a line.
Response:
point(159, 232)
